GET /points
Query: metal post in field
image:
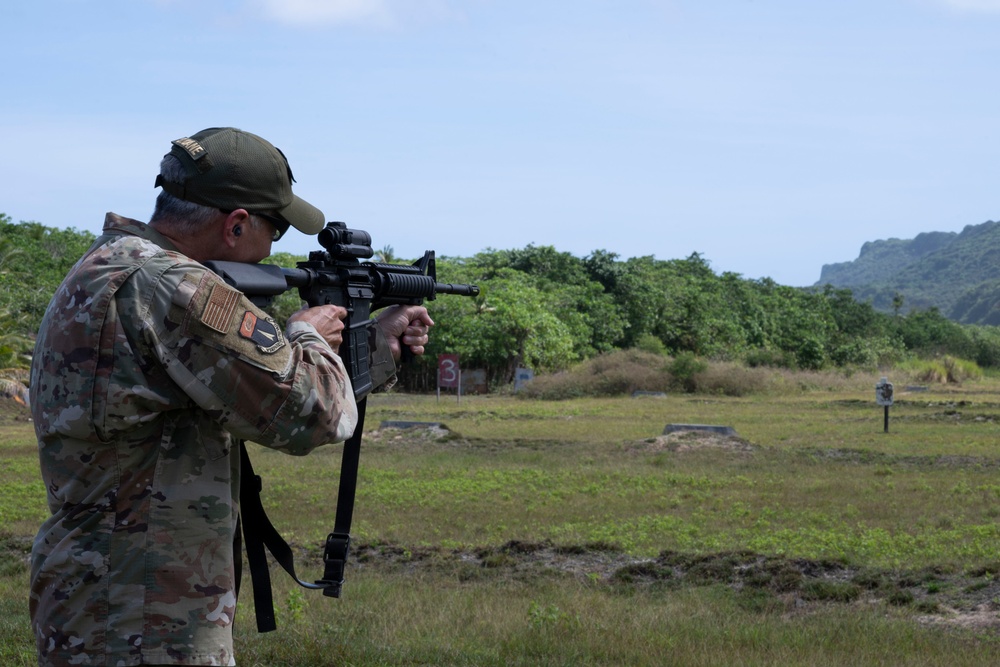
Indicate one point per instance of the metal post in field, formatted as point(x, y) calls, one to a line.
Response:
point(883, 397)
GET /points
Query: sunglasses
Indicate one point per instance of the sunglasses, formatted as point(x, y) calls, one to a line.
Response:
point(280, 226)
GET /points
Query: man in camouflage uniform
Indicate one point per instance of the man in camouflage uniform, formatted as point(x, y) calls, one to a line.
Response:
point(147, 371)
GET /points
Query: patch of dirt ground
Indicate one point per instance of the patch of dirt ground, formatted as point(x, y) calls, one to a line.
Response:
point(418, 432)
point(692, 440)
point(968, 600)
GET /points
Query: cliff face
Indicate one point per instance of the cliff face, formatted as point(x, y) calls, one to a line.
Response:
point(958, 273)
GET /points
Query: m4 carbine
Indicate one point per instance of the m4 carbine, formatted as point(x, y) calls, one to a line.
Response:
point(335, 275)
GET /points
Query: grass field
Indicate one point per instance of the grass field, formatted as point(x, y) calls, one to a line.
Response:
point(575, 533)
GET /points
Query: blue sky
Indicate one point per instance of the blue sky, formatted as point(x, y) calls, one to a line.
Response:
point(771, 136)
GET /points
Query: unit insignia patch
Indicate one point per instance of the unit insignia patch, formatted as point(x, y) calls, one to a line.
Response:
point(262, 331)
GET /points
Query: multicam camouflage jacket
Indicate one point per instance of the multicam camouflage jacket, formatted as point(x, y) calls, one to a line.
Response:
point(147, 370)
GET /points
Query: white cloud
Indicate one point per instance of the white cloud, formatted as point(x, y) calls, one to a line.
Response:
point(312, 12)
point(322, 13)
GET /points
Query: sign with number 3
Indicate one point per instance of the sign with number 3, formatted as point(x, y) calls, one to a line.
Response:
point(448, 371)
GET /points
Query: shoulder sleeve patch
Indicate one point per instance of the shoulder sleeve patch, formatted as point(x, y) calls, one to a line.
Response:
point(219, 309)
point(264, 332)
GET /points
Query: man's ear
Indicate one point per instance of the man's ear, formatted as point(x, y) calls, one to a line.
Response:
point(235, 226)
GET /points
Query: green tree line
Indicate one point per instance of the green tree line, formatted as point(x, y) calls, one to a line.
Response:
point(33, 261)
point(547, 310)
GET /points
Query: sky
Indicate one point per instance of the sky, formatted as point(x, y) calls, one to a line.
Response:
point(769, 136)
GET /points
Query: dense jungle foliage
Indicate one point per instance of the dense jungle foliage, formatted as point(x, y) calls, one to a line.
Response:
point(549, 310)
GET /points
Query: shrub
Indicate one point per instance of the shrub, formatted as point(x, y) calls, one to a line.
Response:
point(610, 374)
point(944, 370)
point(768, 357)
point(627, 371)
point(733, 379)
point(867, 353)
point(683, 369)
point(650, 343)
point(810, 354)
point(960, 370)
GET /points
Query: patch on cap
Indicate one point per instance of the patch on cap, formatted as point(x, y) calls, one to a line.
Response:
point(196, 152)
point(219, 309)
point(263, 332)
point(191, 147)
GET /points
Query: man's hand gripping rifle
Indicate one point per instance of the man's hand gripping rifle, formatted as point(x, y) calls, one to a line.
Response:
point(335, 275)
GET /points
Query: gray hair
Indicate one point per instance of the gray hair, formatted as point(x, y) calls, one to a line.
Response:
point(183, 216)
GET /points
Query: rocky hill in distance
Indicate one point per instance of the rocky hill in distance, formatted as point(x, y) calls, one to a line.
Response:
point(957, 273)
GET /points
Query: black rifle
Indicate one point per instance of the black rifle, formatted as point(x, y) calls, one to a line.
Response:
point(335, 275)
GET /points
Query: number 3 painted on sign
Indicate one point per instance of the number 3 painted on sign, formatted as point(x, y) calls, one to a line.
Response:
point(448, 370)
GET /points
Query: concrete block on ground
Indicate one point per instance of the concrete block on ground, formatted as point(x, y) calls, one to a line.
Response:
point(406, 424)
point(721, 430)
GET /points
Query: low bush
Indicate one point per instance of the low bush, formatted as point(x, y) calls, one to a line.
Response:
point(683, 368)
point(611, 374)
point(768, 357)
point(625, 372)
point(943, 370)
point(734, 379)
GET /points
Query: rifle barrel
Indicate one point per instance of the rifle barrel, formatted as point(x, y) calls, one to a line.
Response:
point(461, 290)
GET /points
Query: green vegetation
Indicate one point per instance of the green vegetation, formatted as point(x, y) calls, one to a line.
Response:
point(552, 311)
point(572, 532)
point(33, 261)
point(957, 274)
point(549, 311)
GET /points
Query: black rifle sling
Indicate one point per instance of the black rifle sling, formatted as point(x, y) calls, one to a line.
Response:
point(338, 543)
point(259, 532)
